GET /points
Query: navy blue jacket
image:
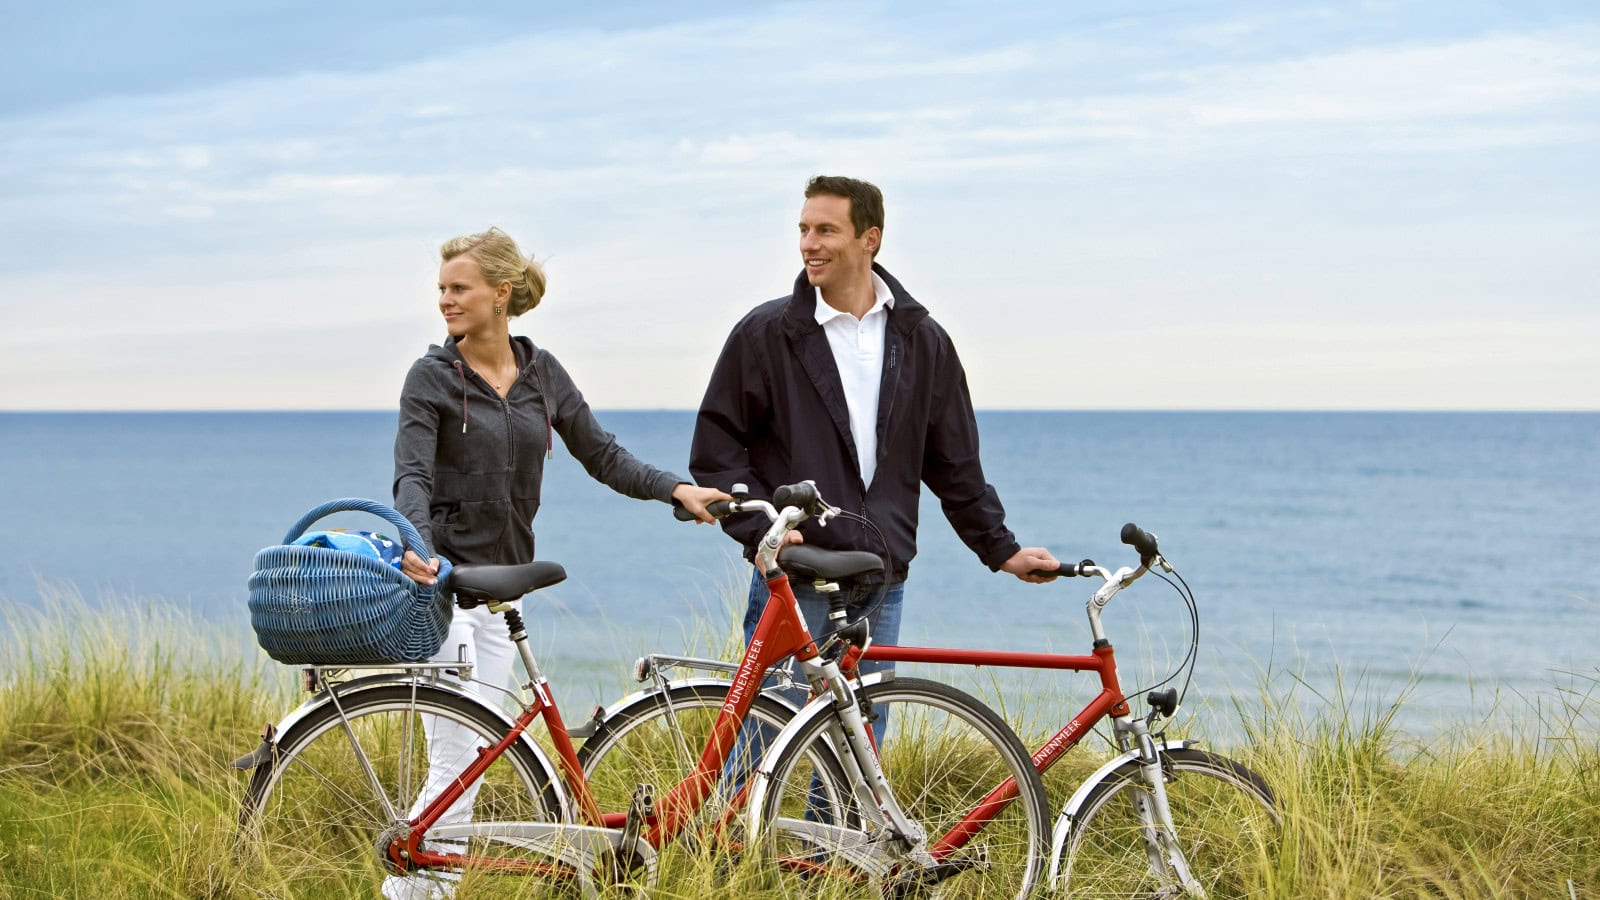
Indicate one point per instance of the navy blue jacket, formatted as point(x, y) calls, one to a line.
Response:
point(775, 413)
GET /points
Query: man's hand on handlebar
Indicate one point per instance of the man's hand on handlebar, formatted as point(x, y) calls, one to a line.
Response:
point(1026, 561)
point(694, 499)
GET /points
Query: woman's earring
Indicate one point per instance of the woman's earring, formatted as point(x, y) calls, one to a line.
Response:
point(499, 309)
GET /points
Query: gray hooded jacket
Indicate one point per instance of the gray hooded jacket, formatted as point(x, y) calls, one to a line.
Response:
point(468, 463)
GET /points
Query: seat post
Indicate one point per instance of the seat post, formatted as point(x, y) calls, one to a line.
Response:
point(836, 600)
point(519, 636)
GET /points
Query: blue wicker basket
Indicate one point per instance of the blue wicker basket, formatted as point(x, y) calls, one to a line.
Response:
point(317, 605)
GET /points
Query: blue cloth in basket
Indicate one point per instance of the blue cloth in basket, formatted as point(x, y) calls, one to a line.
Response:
point(366, 543)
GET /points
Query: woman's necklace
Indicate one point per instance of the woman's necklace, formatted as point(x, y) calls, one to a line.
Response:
point(505, 376)
point(498, 376)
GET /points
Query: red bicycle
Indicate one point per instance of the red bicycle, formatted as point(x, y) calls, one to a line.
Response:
point(1160, 818)
point(342, 790)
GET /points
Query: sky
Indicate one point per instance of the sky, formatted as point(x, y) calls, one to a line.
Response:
point(1182, 205)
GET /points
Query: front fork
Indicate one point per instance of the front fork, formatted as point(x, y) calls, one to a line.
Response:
point(1155, 813)
point(850, 729)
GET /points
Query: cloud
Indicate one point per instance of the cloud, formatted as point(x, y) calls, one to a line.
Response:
point(1513, 90)
point(663, 162)
point(1494, 76)
point(585, 102)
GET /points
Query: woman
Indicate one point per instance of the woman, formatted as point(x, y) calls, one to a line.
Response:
point(478, 418)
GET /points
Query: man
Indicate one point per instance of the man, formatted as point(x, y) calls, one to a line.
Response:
point(849, 382)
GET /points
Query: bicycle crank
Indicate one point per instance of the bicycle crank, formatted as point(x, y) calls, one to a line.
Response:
point(917, 882)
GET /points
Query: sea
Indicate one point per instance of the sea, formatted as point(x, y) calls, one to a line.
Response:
point(1439, 567)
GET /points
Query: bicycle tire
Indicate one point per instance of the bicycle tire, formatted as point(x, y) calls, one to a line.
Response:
point(313, 819)
point(1226, 818)
point(942, 752)
point(658, 738)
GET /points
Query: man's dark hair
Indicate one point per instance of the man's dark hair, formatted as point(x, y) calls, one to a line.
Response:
point(866, 201)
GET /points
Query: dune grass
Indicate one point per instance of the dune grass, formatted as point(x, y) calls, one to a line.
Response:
point(117, 729)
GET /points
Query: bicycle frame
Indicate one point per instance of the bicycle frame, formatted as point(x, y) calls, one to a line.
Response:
point(1132, 733)
point(780, 633)
point(1110, 701)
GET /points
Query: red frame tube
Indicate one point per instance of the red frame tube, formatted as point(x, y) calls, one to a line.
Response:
point(780, 633)
point(1109, 701)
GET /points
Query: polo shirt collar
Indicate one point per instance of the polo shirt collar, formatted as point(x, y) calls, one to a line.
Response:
point(880, 290)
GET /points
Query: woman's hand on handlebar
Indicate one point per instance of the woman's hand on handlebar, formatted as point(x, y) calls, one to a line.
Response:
point(694, 499)
point(1026, 561)
point(412, 566)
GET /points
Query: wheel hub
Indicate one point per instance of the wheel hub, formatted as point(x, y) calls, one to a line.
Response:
point(393, 853)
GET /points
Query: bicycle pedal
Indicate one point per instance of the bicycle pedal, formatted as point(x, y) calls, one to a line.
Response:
point(916, 882)
point(640, 808)
point(643, 802)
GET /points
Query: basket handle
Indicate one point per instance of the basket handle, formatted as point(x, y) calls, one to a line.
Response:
point(410, 538)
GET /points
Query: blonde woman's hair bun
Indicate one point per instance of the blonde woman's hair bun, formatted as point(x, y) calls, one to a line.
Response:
point(533, 286)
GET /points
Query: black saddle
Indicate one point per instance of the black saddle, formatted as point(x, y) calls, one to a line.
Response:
point(484, 582)
point(829, 565)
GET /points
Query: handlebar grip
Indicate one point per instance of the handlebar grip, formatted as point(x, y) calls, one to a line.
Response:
point(1140, 540)
point(803, 494)
point(1065, 570)
point(718, 508)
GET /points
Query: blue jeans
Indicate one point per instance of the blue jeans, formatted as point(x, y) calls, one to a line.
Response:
point(883, 624)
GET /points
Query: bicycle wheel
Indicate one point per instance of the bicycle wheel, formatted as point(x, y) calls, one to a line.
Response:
point(658, 739)
point(319, 816)
point(1225, 816)
point(942, 753)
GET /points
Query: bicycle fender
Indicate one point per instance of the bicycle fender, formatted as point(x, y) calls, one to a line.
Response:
point(1069, 812)
point(639, 696)
point(266, 751)
point(761, 779)
point(347, 688)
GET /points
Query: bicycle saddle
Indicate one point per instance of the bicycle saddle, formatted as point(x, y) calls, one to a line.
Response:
point(485, 582)
point(829, 565)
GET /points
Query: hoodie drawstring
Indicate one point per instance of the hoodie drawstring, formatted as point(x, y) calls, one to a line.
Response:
point(463, 373)
point(544, 400)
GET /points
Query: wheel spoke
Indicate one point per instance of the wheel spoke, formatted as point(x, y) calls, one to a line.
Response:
point(1224, 819)
point(343, 780)
point(942, 752)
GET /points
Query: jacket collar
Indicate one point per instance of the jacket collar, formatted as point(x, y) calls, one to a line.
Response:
point(450, 354)
point(800, 314)
point(816, 357)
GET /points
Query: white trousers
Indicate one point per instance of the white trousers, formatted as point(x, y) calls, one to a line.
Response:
point(451, 747)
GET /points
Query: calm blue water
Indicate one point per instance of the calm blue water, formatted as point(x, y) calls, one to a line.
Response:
point(1462, 549)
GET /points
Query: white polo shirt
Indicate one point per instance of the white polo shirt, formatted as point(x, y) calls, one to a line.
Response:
point(857, 346)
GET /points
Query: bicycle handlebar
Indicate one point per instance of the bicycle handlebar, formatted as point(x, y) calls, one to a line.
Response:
point(805, 496)
point(1134, 536)
point(801, 495)
point(717, 508)
point(1140, 540)
point(1066, 570)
